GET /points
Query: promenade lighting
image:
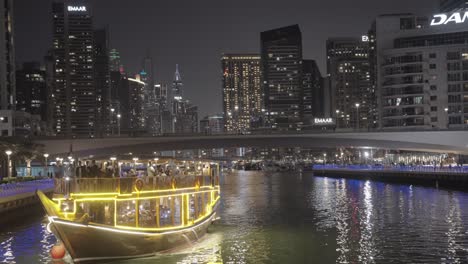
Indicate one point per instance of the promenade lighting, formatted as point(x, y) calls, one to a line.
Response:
point(46, 155)
point(113, 159)
point(9, 152)
point(118, 123)
point(357, 114)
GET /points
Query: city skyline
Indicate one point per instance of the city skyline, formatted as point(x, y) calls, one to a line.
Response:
point(166, 31)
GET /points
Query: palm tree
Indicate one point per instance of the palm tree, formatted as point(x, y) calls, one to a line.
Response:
point(22, 150)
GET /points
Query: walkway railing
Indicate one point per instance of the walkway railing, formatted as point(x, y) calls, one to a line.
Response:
point(10, 189)
point(402, 168)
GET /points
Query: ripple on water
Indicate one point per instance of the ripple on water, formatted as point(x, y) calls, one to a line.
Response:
point(287, 218)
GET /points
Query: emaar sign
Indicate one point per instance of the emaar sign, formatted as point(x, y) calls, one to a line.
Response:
point(444, 19)
point(77, 8)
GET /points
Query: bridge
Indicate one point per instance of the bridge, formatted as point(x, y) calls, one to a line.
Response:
point(425, 141)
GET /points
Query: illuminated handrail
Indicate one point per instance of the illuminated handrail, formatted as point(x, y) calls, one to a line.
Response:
point(127, 185)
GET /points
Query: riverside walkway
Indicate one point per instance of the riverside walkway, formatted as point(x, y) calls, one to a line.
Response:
point(19, 194)
point(427, 175)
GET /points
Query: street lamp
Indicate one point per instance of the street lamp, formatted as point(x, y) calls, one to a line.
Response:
point(118, 123)
point(324, 158)
point(134, 161)
point(357, 114)
point(113, 159)
point(112, 120)
point(446, 114)
point(9, 152)
point(46, 165)
point(337, 118)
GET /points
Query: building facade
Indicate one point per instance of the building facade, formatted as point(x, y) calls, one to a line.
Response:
point(74, 94)
point(242, 92)
point(422, 78)
point(212, 124)
point(313, 99)
point(102, 83)
point(348, 68)
point(281, 58)
point(7, 57)
point(137, 117)
point(451, 5)
point(31, 90)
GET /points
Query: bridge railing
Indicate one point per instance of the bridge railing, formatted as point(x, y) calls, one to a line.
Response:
point(126, 185)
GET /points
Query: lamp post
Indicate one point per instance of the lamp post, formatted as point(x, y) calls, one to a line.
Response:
point(135, 162)
point(324, 158)
point(112, 120)
point(357, 115)
point(118, 123)
point(337, 118)
point(446, 114)
point(113, 159)
point(8, 152)
point(46, 165)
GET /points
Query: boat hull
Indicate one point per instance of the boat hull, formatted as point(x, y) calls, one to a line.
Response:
point(94, 243)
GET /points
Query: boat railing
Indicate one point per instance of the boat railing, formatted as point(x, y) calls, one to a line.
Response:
point(128, 185)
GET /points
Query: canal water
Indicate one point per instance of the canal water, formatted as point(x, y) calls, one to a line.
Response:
point(295, 218)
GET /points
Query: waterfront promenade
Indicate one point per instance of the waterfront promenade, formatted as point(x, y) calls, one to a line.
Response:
point(456, 176)
point(17, 195)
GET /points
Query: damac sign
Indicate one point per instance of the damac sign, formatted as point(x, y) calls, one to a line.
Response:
point(77, 8)
point(444, 19)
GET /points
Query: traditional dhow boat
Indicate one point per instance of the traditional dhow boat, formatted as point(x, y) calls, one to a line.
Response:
point(101, 220)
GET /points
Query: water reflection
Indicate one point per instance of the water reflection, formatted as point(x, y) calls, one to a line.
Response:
point(290, 218)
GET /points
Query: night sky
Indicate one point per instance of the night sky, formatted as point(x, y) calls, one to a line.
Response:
point(194, 34)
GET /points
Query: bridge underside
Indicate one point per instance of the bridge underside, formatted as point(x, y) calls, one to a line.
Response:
point(438, 141)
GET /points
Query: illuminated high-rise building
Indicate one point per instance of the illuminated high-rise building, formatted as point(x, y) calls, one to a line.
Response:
point(102, 83)
point(177, 85)
point(74, 93)
point(31, 90)
point(281, 55)
point(242, 91)
point(114, 61)
point(7, 56)
point(312, 84)
point(348, 68)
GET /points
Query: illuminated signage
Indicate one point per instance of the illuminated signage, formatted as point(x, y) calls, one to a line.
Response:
point(324, 121)
point(365, 38)
point(77, 8)
point(444, 19)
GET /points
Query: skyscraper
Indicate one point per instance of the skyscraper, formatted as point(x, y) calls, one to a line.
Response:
point(7, 56)
point(31, 90)
point(114, 61)
point(74, 94)
point(451, 5)
point(312, 84)
point(177, 85)
point(348, 67)
point(242, 91)
point(281, 55)
point(136, 105)
point(102, 82)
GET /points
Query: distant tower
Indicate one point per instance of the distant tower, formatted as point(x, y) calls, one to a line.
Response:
point(177, 85)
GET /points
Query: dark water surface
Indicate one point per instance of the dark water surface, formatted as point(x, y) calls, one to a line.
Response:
point(293, 218)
